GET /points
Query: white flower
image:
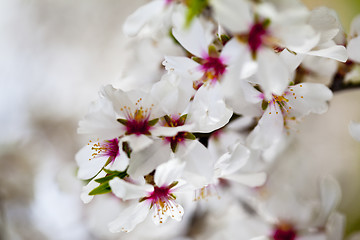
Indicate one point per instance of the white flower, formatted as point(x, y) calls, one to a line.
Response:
point(207, 66)
point(296, 102)
point(159, 198)
point(96, 155)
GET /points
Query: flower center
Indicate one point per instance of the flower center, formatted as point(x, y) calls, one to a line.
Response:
point(176, 121)
point(213, 68)
point(107, 148)
point(256, 34)
point(137, 122)
point(284, 232)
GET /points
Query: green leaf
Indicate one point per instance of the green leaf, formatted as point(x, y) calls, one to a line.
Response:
point(102, 189)
point(189, 136)
point(264, 105)
point(122, 121)
point(153, 122)
point(195, 7)
point(182, 119)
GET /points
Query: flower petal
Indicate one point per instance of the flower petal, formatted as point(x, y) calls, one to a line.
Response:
point(126, 190)
point(130, 217)
point(168, 172)
point(269, 129)
point(135, 22)
point(88, 166)
point(353, 49)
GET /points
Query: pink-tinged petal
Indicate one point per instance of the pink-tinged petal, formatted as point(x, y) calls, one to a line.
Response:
point(353, 49)
point(84, 196)
point(183, 66)
point(209, 110)
point(233, 15)
point(127, 191)
point(136, 21)
point(137, 142)
point(308, 98)
point(269, 129)
point(354, 129)
point(336, 52)
point(248, 179)
point(147, 160)
point(273, 74)
point(168, 172)
point(192, 38)
point(88, 166)
point(130, 217)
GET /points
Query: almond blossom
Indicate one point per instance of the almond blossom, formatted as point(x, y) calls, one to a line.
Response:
point(158, 197)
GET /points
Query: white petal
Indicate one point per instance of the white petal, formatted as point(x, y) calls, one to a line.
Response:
point(84, 196)
point(129, 218)
point(168, 172)
point(273, 74)
point(120, 163)
point(248, 179)
point(237, 160)
point(355, 26)
point(309, 97)
point(171, 131)
point(134, 23)
point(325, 21)
point(336, 52)
point(233, 15)
point(330, 193)
point(136, 142)
point(101, 122)
point(269, 129)
point(209, 110)
point(233, 50)
point(192, 38)
point(354, 129)
point(147, 160)
point(88, 166)
point(353, 49)
point(126, 190)
point(199, 165)
point(176, 212)
point(183, 66)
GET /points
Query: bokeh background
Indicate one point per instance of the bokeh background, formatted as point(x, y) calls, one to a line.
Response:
point(54, 56)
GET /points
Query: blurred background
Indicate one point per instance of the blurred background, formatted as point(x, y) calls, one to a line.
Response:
point(54, 57)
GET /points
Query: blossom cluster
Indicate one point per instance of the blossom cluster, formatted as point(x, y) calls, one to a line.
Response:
point(204, 119)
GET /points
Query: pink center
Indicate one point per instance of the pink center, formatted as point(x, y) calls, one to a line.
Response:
point(108, 148)
point(284, 233)
point(256, 35)
point(178, 138)
point(159, 193)
point(138, 124)
point(213, 67)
